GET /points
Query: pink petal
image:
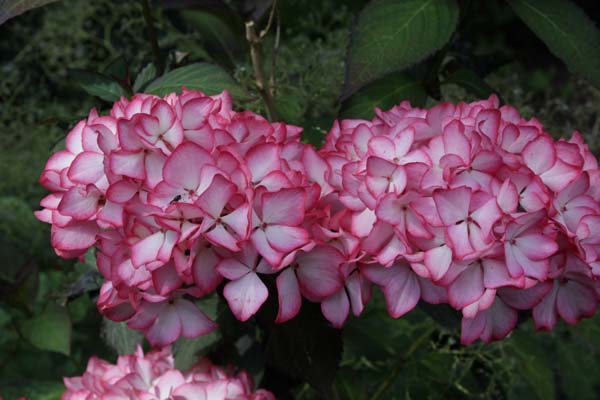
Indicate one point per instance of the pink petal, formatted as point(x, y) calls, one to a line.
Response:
point(182, 169)
point(262, 245)
point(539, 154)
point(245, 295)
point(318, 271)
point(467, 288)
point(80, 203)
point(402, 292)
point(204, 270)
point(335, 308)
point(232, 268)
point(288, 294)
point(219, 236)
point(194, 322)
point(452, 205)
point(263, 159)
point(575, 301)
point(76, 236)
point(87, 167)
point(284, 207)
point(126, 163)
point(166, 328)
point(286, 238)
point(216, 196)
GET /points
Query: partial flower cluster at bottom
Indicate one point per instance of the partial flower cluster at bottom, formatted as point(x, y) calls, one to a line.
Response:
point(154, 377)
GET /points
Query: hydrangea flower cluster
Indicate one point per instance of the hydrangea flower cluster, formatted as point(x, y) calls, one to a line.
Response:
point(153, 377)
point(467, 204)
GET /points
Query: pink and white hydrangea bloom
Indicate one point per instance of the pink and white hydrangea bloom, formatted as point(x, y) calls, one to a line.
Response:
point(153, 376)
point(468, 204)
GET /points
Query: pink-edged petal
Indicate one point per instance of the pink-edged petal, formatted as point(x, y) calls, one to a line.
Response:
point(402, 292)
point(194, 322)
point(458, 238)
point(239, 220)
point(452, 205)
point(508, 197)
point(204, 270)
point(437, 261)
point(264, 248)
point(87, 167)
point(182, 169)
point(166, 328)
point(263, 159)
point(126, 163)
point(80, 203)
point(219, 236)
point(382, 147)
point(232, 268)
point(540, 154)
point(455, 141)
point(284, 207)
point(467, 288)
point(544, 314)
point(536, 246)
point(286, 238)
point(318, 271)
point(288, 294)
point(525, 299)
point(245, 295)
point(165, 279)
point(147, 249)
point(76, 236)
point(335, 308)
point(575, 301)
point(216, 196)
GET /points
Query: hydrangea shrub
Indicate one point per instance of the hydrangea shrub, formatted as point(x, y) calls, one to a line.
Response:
point(469, 205)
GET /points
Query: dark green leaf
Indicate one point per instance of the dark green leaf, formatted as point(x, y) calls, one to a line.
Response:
point(470, 81)
point(391, 35)
point(187, 351)
point(384, 93)
point(215, 31)
point(119, 337)
point(98, 85)
point(533, 364)
point(117, 69)
point(144, 77)
point(12, 8)
point(567, 31)
point(51, 330)
point(306, 348)
point(208, 78)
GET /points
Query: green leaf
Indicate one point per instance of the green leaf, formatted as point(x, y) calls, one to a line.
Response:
point(533, 364)
point(384, 93)
point(119, 337)
point(98, 85)
point(187, 351)
point(144, 77)
point(215, 31)
point(392, 35)
point(51, 330)
point(470, 81)
point(12, 8)
point(567, 31)
point(306, 348)
point(208, 78)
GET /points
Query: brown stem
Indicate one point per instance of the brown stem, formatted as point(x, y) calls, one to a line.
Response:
point(264, 87)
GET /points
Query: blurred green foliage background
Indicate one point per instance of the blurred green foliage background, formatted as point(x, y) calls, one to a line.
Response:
point(49, 326)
